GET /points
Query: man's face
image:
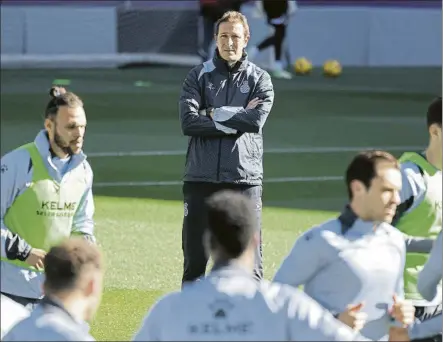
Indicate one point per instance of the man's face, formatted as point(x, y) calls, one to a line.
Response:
point(381, 199)
point(67, 130)
point(231, 41)
point(435, 132)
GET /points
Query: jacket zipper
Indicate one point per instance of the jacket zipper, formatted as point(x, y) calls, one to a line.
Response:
point(220, 139)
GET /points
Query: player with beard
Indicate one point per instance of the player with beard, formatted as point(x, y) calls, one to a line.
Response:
point(46, 196)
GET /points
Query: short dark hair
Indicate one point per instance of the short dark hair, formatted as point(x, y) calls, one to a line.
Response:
point(363, 167)
point(231, 221)
point(66, 262)
point(60, 97)
point(434, 112)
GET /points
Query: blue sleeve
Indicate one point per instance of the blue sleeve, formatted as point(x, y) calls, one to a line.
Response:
point(249, 120)
point(431, 274)
point(427, 328)
point(14, 177)
point(306, 257)
point(309, 321)
point(192, 123)
point(84, 216)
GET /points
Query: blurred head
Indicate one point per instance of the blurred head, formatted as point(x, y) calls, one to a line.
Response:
point(65, 122)
point(74, 270)
point(374, 180)
point(232, 231)
point(231, 36)
point(434, 125)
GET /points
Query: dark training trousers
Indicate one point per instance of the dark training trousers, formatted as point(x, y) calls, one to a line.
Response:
point(195, 220)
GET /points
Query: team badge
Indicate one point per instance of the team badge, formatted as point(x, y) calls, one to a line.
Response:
point(244, 88)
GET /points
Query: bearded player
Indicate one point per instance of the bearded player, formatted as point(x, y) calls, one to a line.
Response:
point(46, 197)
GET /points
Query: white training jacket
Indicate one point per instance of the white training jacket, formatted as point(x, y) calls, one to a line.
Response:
point(230, 305)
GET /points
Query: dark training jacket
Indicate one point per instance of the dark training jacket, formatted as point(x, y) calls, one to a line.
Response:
point(229, 147)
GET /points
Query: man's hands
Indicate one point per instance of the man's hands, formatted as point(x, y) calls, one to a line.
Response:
point(397, 334)
point(402, 311)
point(36, 257)
point(253, 103)
point(353, 317)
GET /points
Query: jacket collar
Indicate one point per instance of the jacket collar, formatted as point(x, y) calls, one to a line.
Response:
point(50, 302)
point(223, 66)
point(348, 218)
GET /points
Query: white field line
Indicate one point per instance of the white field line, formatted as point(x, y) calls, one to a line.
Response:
point(270, 150)
point(269, 180)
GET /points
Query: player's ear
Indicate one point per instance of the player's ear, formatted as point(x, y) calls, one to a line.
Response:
point(357, 187)
point(49, 125)
point(434, 130)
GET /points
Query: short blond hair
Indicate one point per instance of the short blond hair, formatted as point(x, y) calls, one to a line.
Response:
point(232, 17)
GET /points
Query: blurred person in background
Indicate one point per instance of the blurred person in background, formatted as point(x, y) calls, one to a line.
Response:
point(420, 211)
point(229, 304)
point(223, 107)
point(342, 263)
point(278, 13)
point(46, 196)
point(73, 289)
point(210, 12)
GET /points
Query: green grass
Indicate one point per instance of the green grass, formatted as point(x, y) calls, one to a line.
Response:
point(139, 228)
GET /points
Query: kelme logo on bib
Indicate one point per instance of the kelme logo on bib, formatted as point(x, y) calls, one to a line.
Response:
point(244, 88)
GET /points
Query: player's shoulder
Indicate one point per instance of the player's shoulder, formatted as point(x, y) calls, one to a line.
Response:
point(279, 296)
point(410, 168)
point(87, 167)
point(395, 235)
point(201, 69)
point(167, 302)
point(14, 160)
point(322, 232)
point(253, 70)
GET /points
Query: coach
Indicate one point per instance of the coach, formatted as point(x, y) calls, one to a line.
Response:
point(224, 105)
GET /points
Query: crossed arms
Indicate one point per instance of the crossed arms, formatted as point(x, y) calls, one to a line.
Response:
point(227, 119)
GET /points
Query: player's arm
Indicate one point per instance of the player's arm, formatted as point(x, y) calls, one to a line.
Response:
point(416, 244)
point(83, 222)
point(425, 329)
point(413, 187)
point(192, 122)
point(309, 321)
point(431, 274)
point(303, 261)
point(249, 120)
point(13, 178)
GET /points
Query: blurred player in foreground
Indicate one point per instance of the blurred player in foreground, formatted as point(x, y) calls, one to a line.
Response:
point(354, 264)
point(11, 313)
point(420, 211)
point(229, 304)
point(73, 289)
point(45, 197)
point(278, 13)
point(429, 281)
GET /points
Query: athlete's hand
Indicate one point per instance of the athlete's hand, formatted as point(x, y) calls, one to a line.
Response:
point(403, 311)
point(353, 317)
point(36, 257)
